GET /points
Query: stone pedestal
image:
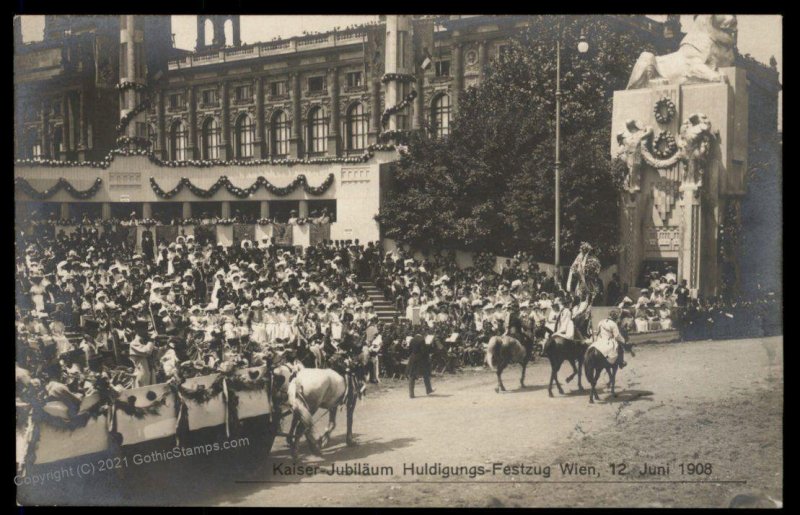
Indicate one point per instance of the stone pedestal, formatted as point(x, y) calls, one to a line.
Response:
point(672, 208)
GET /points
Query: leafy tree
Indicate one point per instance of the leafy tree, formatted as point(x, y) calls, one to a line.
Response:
point(490, 183)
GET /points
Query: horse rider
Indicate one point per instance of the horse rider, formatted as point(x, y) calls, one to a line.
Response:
point(513, 323)
point(564, 326)
point(609, 339)
point(419, 363)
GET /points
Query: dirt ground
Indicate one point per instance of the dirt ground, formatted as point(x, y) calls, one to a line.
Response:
point(706, 415)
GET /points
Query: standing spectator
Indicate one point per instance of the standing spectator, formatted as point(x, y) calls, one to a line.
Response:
point(419, 363)
point(613, 291)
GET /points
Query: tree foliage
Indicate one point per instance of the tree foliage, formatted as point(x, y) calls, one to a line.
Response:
point(490, 184)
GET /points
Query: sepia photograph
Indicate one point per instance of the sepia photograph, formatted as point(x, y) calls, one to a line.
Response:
point(398, 260)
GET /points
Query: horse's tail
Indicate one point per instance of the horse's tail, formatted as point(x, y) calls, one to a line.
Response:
point(490, 352)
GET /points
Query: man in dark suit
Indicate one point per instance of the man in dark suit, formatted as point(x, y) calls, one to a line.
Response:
point(419, 363)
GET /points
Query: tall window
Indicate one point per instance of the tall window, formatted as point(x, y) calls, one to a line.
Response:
point(58, 140)
point(441, 116)
point(152, 136)
point(354, 79)
point(317, 131)
point(212, 138)
point(245, 134)
point(278, 88)
point(244, 94)
point(178, 141)
point(279, 130)
point(357, 126)
point(442, 68)
point(34, 144)
point(316, 83)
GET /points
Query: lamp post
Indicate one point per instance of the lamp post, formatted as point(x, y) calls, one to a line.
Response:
point(583, 47)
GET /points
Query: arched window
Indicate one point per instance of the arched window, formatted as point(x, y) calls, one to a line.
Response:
point(209, 32)
point(357, 126)
point(178, 141)
point(212, 139)
point(279, 129)
point(245, 134)
point(228, 31)
point(440, 116)
point(317, 131)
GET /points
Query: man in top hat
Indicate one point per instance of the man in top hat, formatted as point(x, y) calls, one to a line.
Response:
point(419, 364)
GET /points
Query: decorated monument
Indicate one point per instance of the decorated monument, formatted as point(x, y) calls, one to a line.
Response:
point(681, 129)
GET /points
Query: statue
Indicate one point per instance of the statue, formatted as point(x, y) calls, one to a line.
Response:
point(709, 45)
point(586, 272)
point(628, 141)
point(696, 143)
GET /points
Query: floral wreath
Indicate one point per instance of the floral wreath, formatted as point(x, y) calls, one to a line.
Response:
point(664, 145)
point(664, 110)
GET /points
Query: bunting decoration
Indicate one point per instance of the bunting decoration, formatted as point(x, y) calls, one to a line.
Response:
point(224, 182)
point(62, 183)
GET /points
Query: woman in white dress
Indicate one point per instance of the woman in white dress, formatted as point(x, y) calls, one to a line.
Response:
point(258, 326)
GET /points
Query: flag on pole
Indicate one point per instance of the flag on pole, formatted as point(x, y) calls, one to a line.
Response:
point(426, 63)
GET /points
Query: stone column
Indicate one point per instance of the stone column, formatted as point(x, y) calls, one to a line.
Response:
point(302, 210)
point(105, 212)
point(147, 210)
point(334, 147)
point(374, 110)
point(226, 209)
point(418, 121)
point(66, 130)
point(456, 69)
point(482, 59)
point(193, 150)
point(296, 141)
point(691, 236)
point(260, 141)
point(186, 208)
point(264, 209)
point(64, 210)
point(44, 138)
point(162, 126)
point(82, 125)
point(226, 129)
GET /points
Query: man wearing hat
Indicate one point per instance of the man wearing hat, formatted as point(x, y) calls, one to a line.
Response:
point(419, 364)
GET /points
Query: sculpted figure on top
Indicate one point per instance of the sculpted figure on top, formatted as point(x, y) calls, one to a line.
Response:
point(708, 45)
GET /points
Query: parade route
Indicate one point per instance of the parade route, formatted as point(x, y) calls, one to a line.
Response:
point(679, 404)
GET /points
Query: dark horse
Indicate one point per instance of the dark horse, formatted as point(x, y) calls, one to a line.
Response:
point(559, 349)
point(594, 363)
point(505, 350)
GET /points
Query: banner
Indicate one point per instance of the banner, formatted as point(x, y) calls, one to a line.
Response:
point(319, 233)
point(253, 403)
point(167, 233)
point(301, 234)
point(243, 232)
point(263, 232)
point(160, 424)
point(208, 414)
point(283, 234)
point(204, 234)
point(56, 444)
point(225, 235)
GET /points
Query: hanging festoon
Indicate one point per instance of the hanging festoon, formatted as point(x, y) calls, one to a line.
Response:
point(664, 110)
point(224, 181)
point(22, 184)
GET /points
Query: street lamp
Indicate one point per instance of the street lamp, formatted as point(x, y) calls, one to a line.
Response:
point(583, 47)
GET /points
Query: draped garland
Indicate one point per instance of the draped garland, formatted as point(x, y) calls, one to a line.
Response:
point(223, 181)
point(22, 184)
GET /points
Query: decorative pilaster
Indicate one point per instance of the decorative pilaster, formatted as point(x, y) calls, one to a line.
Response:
point(302, 210)
point(225, 209)
point(192, 151)
point(296, 141)
point(63, 210)
point(458, 76)
point(44, 135)
point(67, 128)
point(260, 141)
point(374, 110)
point(147, 210)
point(162, 125)
point(264, 209)
point(186, 210)
point(334, 147)
point(482, 59)
point(226, 128)
point(105, 212)
point(82, 125)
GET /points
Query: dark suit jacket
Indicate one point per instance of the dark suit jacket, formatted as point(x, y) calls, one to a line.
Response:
point(420, 353)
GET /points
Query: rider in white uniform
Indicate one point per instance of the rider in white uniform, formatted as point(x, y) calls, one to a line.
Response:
point(609, 338)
